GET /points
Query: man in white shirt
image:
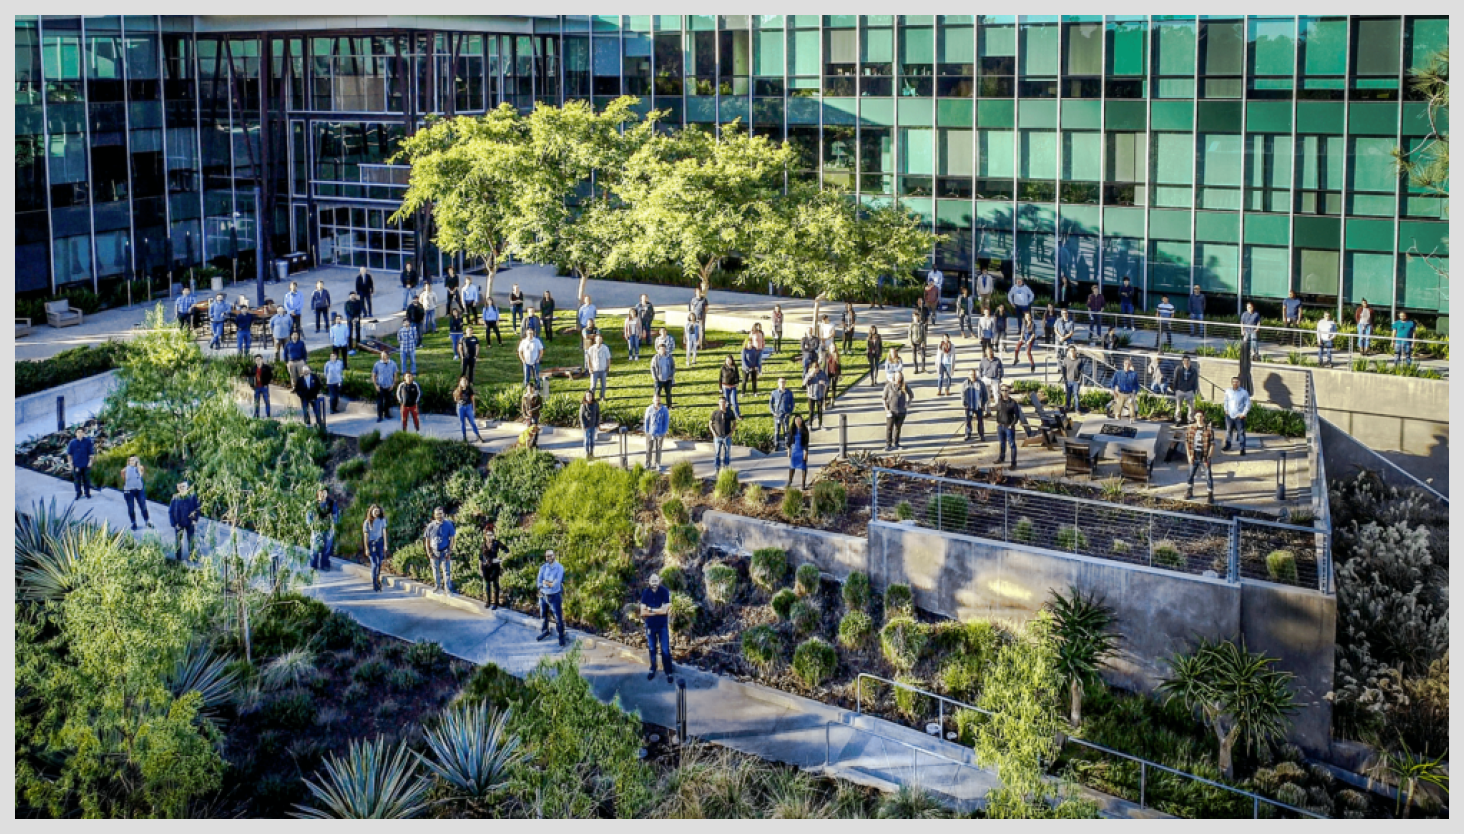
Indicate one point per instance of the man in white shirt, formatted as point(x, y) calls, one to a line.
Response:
point(935, 276)
point(1237, 406)
point(530, 351)
point(598, 359)
point(985, 286)
point(429, 306)
point(1326, 332)
point(1166, 314)
point(1021, 298)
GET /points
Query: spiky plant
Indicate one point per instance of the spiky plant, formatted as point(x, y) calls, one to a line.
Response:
point(762, 646)
point(1082, 624)
point(911, 802)
point(856, 591)
point(471, 751)
point(720, 580)
point(814, 661)
point(49, 548)
point(1237, 694)
point(295, 667)
point(768, 567)
point(200, 670)
point(372, 781)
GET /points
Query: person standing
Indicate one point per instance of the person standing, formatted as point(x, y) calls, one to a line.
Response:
point(1065, 291)
point(589, 421)
point(816, 389)
point(530, 351)
point(633, 335)
point(260, 376)
point(183, 309)
point(1095, 313)
point(663, 371)
point(1064, 329)
point(340, 338)
point(833, 366)
point(932, 301)
point(551, 595)
point(335, 376)
point(1071, 367)
point(975, 400)
point(945, 366)
point(666, 340)
point(655, 423)
point(599, 364)
point(452, 285)
point(1166, 326)
point(808, 349)
point(848, 322)
point(218, 311)
point(647, 313)
point(354, 309)
point(964, 312)
point(1199, 449)
point(917, 334)
point(999, 330)
point(373, 532)
point(991, 370)
point(825, 333)
point(698, 310)
point(429, 301)
point(438, 539)
point(897, 399)
point(321, 519)
point(1237, 407)
point(1363, 317)
point(1026, 338)
point(892, 366)
point(409, 285)
point(1126, 392)
point(751, 365)
point(546, 315)
point(490, 323)
point(1021, 298)
point(471, 296)
point(295, 306)
point(408, 395)
point(655, 611)
point(1403, 330)
point(873, 350)
point(309, 389)
point(80, 450)
point(1326, 333)
point(1291, 317)
point(383, 376)
point(320, 305)
point(722, 424)
point(1127, 294)
point(455, 327)
point(1250, 328)
point(463, 396)
point(515, 307)
point(490, 564)
point(1008, 415)
point(134, 491)
point(798, 442)
point(243, 329)
point(281, 325)
point(1197, 310)
point(780, 405)
point(777, 328)
point(183, 518)
point(531, 406)
point(985, 287)
point(295, 354)
point(468, 351)
point(693, 332)
point(586, 313)
point(365, 291)
point(1186, 387)
point(728, 379)
point(1049, 324)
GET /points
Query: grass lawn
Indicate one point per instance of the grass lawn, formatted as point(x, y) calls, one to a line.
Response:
point(628, 388)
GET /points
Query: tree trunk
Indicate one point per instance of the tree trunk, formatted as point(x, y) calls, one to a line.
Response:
point(706, 276)
point(1227, 744)
point(1075, 693)
point(490, 270)
point(584, 278)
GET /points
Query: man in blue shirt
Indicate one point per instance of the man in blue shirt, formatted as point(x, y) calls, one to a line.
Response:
point(1237, 406)
point(295, 305)
point(1126, 391)
point(182, 516)
point(340, 338)
point(1403, 330)
point(280, 327)
point(320, 304)
point(586, 313)
point(243, 329)
point(438, 538)
point(1197, 309)
point(663, 371)
point(780, 403)
point(80, 450)
point(407, 341)
point(217, 312)
point(975, 399)
point(1291, 317)
point(1250, 328)
point(551, 595)
point(335, 376)
point(295, 354)
point(383, 376)
point(655, 424)
point(655, 609)
point(183, 307)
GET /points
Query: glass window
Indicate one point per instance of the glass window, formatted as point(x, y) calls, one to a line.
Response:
point(1174, 58)
point(1038, 155)
point(995, 160)
point(1127, 58)
point(917, 151)
point(1369, 275)
point(1082, 157)
point(1323, 57)
point(1318, 270)
point(1221, 58)
point(996, 43)
point(1424, 287)
point(1039, 60)
point(1377, 63)
point(1426, 37)
point(955, 152)
point(955, 49)
point(1082, 57)
point(1374, 177)
point(1267, 271)
point(1268, 172)
point(1272, 57)
point(1219, 163)
point(668, 63)
point(1173, 168)
point(1319, 162)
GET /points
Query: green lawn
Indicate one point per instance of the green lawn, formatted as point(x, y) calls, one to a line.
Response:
point(628, 389)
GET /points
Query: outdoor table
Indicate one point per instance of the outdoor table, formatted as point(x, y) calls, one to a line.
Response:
point(1142, 436)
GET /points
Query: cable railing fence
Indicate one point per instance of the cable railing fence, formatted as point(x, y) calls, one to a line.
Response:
point(848, 747)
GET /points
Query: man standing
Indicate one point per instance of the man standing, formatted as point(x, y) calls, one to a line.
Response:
point(698, 307)
point(308, 389)
point(850, 320)
point(1095, 314)
point(916, 333)
point(260, 376)
point(490, 323)
point(530, 350)
point(1197, 309)
point(373, 532)
point(1363, 316)
point(1237, 406)
point(407, 340)
point(825, 334)
point(354, 310)
point(780, 403)
point(335, 376)
point(1064, 328)
point(383, 376)
point(295, 305)
point(897, 399)
point(1291, 317)
point(1071, 367)
point(490, 564)
point(932, 300)
point(1403, 330)
point(1250, 328)
point(1186, 387)
point(655, 424)
point(1126, 392)
point(463, 396)
point(808, 349)
point(667, 341)
point(340, 337)
point(281, 325)
point(183, 308)
point(471, 295)
point(243, 329)
point(1326, 332)
point(1021, 298)
point(589, 421)
point(599, 364)
point(320, 304)
point(1166, 315)
point(991, 371)
point(516, 307)
point(80, 450)
point(295, 354)
point(551, 595)
point(647, 312)
point(321, 520)
point(728, 378)
point(1127, 295)
point(777, 328)
point(217, 312)
point(985, 286)
point(409, 285)
point(752, 358)
point(693, 333)
point(1008, 414)
point(586, 313)
point(365, 290)
point(409, 394)
point(429, 301)
point(438, 538)
point(182, 517)
point(663, 371)
point(467, 351)
point(546, 314)
point(816, 389)
point(655, 610)
point(722, 423)
point(975, 399)
point(1199, 447)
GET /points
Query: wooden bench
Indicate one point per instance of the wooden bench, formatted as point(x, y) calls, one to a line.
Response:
point(1134, 466)
point(1077, 459)
point(60, 313)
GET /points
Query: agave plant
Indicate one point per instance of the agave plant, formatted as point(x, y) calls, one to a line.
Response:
point(471, 751)
point(371, 782)
point(49, 549)
point(1085, 640)
point(208, 674)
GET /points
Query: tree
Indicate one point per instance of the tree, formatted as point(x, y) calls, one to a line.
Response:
point(694, 196)
point(468, 171)
point(1235, 692)
point(1426, 163)
point(1084, 642)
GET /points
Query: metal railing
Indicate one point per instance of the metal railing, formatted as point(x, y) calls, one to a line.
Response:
point(961, 782)
point(1144, 764)
point(1321, 506)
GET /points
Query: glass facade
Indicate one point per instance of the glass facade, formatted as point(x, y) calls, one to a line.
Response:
point(1251, 155)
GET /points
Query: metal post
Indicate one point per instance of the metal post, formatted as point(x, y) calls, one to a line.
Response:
point(843, 436)
point(859, 696)
point(1143, 782)
point(681, 710)
point(1281, 478)
point(1233, 569)
point(259, 210)
point(941, 703)
point(874, 495)
point(939, 521)
point(622, 449)
point(60, 413)
point(1256, 809)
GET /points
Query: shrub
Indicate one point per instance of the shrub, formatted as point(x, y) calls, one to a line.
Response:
point(805, 617)
point(721, 582)
point(728, 486)
point(960, 677)
point(683, 477)
point(783, 603)
point(1121, 547)
point(682, 539)
point(491, 685)
point(898, 602)
point(903, 641)
point(291, 710)
point(855, 630)
point(904, 511)
point(830, 499)
point(1281, 566)
point(647, 482)
point(814, 661)
point(1167, 555)
point(1072, 537)
point(1024, 531)
point(805, 580)
point(754, 496)
point(674, 511)
point(404, 679)
point(425, 655)
point(673, 578)
point(768, 567)
point(353, 469)
point(761, 646)
point(793, 504)
point(856, 591)
point(948, 512)
point(908, 702)
point(66, 366)
point(683, 613)
point(369, 441)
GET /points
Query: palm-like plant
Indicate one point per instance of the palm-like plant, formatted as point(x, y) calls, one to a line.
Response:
point(371, 782)
point(1081, 626)
point(1409, 769)
point(471, 750)
point(208, 674)
point(49, 549)
point(1237, 694)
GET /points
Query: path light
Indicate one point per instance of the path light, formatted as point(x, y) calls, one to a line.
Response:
point(1281, 477)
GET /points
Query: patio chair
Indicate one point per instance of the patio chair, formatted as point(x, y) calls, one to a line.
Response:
point(60, 313)
point(22, 326)
point(1077, 459)
point(1134, 466)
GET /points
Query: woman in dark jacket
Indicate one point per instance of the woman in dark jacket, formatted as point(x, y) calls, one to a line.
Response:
point(589, 420)
point(530, 407)
point(490, 563)
point(798, 450)
point(546, 312)
point(873, 352)
point(833, 366)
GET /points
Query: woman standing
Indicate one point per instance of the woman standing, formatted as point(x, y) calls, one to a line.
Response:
point(134, 491)
point(490, 564)
point(693, 331)
point(1026, 336)
point(751, 364)
point(633, 334)
point(759, 341)
point(463, 395)
point(897, 399)
point(893, 367)
point(589, 420)
point(833, 366)
point(546, 313)
point(850, 320)
point(373, 532)
point(530, 407)
point(798, 450)
point(455, 326)
point(873, 350)
point(945, 366)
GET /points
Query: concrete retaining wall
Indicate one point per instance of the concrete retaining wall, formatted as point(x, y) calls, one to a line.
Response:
point(834, 554)
point(42, 404)
point(1345, 455)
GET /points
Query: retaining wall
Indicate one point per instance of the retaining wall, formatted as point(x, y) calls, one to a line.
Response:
point(42, 404)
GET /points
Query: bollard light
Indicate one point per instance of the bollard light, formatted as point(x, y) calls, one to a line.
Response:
point(844, 436)
point(622, 448)
point(681, 711)
point(60, 413)
point(1281, 477)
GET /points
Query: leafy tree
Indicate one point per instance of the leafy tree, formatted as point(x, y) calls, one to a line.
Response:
point(1236, 693)
point(1081, 624)
point(1426, 163)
